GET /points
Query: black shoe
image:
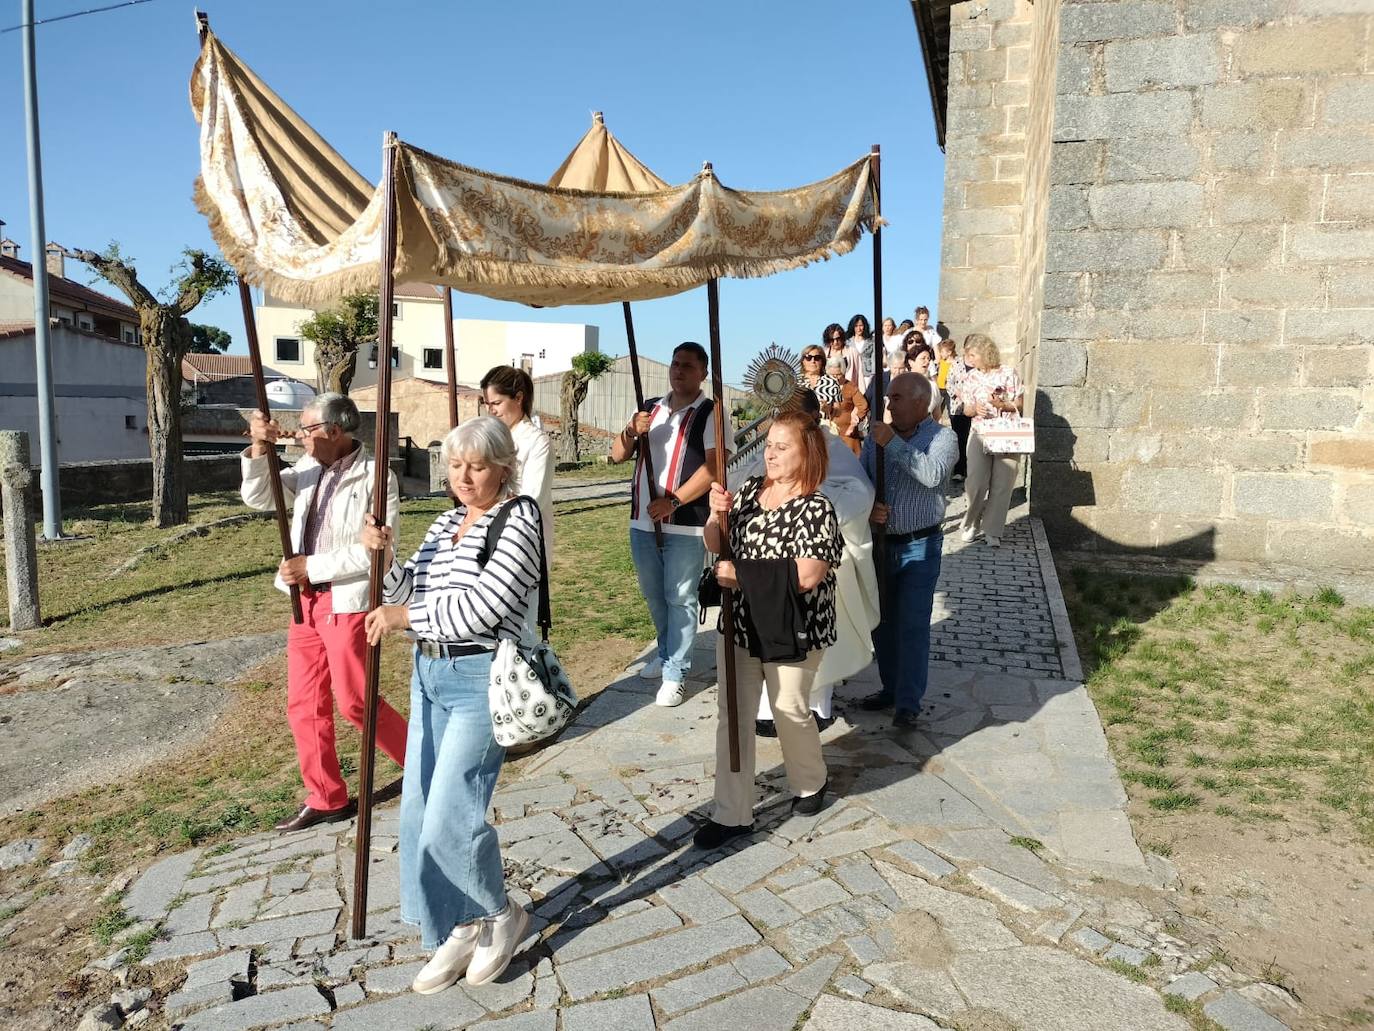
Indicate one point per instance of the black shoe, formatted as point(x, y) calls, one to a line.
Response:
point(822, 722)
point(765, 728)
point(905, 719)
point(811, 804)
point(713, 835)
point(876, 702)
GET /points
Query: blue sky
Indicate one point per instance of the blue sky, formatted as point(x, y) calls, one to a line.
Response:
point(774, 94)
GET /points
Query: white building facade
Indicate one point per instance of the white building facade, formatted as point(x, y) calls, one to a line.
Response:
point(540, 348)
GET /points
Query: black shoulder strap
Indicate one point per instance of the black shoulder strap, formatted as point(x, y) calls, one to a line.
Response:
point(496, 527)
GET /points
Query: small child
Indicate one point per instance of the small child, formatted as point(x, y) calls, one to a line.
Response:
point(945, 353)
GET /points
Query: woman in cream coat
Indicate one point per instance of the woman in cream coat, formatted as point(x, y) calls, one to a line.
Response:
point(509, 395)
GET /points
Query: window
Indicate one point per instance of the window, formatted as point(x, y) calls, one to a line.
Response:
point(86, 324)
point(395, 357)
point(288, 349)
point(434, 358)
point(129, 336)
point(130, 422)
point(395, 309)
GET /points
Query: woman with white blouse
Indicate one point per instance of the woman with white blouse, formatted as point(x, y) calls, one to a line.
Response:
point(460, 594)
point(986, 391)
point(508, 393)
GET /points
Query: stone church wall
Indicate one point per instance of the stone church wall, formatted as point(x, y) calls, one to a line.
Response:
point(1201, 336)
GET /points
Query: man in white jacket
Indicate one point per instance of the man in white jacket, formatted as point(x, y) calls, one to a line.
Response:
point(330, 494)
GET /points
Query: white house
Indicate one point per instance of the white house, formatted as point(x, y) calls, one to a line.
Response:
point(99, 368)
point(418, 341)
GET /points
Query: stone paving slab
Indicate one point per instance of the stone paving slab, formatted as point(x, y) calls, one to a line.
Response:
point(906, 891)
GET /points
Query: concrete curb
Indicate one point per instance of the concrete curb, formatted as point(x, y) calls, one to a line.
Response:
point(1063, 629)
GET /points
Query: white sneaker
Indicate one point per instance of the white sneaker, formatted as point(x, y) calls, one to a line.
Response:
point(496, 943)
point(448, 962)
point(970, 532)
point(994, 542)
point(652, 669)
point(671, 693)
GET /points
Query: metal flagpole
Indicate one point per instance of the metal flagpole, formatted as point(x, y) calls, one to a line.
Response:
point(727, 596)
point(42, 331)
point(643, 445)
point(879, 363)
point(450, 359)
point(273, 461)
point(381, 451)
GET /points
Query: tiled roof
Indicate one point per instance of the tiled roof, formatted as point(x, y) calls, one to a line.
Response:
point(216, 366)
point(62, 289)
point(15, 329)
point(423, 290)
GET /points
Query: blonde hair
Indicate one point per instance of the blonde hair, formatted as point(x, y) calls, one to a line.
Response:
point(982, 345)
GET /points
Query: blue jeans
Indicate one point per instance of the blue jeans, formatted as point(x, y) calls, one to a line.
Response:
point(668, 580)
point(902, 639)
point(450, 855)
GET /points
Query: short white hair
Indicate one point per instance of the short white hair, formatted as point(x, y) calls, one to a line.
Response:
point(335, 410)
point(487, 439)
point(834, 361)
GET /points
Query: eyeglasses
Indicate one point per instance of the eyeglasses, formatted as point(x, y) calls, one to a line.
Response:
point(307, 430)
point(834, 340)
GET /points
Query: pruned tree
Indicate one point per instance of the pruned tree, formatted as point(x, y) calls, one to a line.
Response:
point(572, 392)
point(167, 340)
point(337, 334)
point(209, 339)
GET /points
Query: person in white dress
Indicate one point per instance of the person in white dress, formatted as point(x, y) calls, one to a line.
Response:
point(508, 393)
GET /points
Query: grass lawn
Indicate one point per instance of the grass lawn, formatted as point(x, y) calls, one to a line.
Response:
point(1255, 707)
point(243, 777)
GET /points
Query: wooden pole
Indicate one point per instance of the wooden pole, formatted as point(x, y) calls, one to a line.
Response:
point(273, 460)
point(450, 359)
point(381, 452)
point(643, 445)
point(879, 366)
point(727, 596)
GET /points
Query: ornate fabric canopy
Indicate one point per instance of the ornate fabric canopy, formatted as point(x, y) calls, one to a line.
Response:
point(601, 164)
point(297, 219)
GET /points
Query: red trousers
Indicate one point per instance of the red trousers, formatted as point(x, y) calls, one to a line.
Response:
point(325, 659)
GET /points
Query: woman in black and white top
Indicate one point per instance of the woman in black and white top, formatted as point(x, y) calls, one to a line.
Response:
point(786, 544)
point(460, 593)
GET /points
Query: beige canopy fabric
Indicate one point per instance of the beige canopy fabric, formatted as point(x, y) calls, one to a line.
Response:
point(601, 164)
point(292, 216)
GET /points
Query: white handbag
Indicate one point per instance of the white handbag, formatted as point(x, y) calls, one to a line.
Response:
point(529, 695)
point(1007, 435)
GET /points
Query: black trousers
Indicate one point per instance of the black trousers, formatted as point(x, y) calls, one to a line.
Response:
point(961, 424)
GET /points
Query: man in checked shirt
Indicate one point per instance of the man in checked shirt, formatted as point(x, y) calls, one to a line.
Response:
point(918, 455)
point(330, 494)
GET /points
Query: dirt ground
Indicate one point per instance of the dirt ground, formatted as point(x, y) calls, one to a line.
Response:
point(1295, 908)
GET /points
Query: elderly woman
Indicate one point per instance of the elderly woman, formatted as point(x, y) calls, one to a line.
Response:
point(987, 390)
point(815, 373)
point(508, 393)
point(846, 414)
point(786, 544)
point(460, 593)
point(837, 346)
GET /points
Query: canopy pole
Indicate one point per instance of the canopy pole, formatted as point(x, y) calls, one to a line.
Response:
point(727, 596)
point(639, 407)
point(381, 453)
point(450, 359)
point(250, 329)
point(879, 361)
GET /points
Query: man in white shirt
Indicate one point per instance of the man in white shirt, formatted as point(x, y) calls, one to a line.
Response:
point(929, 333)
point(330, 494)
point(680, 433)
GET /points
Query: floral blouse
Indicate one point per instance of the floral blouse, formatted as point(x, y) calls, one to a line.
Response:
point(802, 527)
point(976, 387)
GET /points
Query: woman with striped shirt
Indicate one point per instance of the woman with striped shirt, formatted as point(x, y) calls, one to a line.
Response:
point(459, 593)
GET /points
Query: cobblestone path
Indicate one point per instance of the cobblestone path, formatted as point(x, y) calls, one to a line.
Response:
point(978, 873)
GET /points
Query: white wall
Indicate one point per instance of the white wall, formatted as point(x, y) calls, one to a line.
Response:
point(99, 386)
point(480, 343)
